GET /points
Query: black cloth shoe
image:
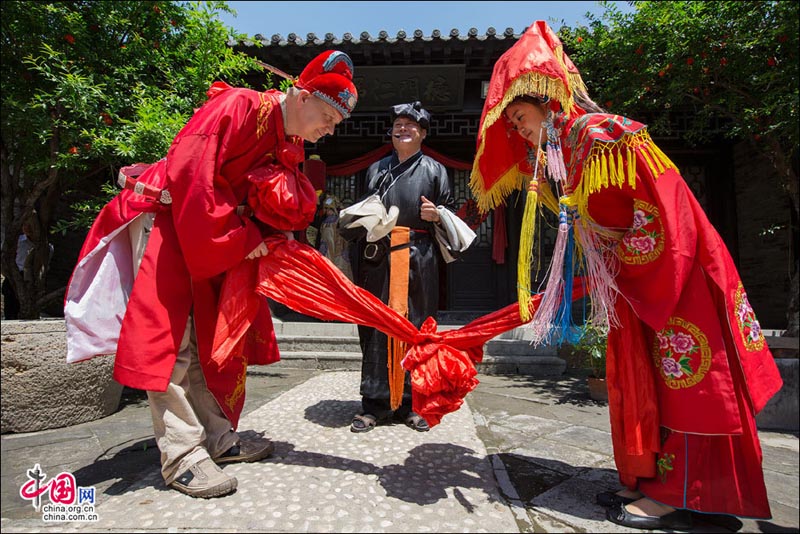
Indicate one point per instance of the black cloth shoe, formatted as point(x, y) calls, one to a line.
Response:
point(609, 499)
point(677, 520)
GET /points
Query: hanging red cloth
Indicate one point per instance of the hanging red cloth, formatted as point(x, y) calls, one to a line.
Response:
point(442, 364)
point(362, 162)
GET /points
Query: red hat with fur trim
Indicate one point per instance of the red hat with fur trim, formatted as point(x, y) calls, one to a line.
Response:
point(329, 76)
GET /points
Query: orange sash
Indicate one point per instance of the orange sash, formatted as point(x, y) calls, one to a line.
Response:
point(398, 301)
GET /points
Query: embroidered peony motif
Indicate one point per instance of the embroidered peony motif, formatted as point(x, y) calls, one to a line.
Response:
point(682, 343)
point(640, 219)
point(671, 367)
point(682, 354)
point(644, 242)
point(749, 327)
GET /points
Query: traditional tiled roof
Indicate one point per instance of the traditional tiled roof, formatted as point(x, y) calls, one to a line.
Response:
point(312, 39)
point(477, 51)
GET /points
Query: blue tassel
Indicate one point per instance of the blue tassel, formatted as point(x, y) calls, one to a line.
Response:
point(568, 331)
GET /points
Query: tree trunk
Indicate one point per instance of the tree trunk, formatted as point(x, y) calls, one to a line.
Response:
point(32, 200)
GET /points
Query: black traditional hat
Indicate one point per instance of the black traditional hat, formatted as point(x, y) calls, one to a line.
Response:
point(414, 111)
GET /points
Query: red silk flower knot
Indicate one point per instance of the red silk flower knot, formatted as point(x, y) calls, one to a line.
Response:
point(290, 154)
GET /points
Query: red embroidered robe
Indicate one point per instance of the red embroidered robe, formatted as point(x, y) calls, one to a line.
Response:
point(688, 354)
point(194, 241)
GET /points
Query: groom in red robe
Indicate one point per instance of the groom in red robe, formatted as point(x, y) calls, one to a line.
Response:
point(229, 180)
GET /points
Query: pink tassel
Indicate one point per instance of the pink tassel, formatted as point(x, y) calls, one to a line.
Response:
point(555, 162)
point(544, 318)
point(601, 266)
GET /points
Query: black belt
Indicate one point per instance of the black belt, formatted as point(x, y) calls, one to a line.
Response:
point(371, 250)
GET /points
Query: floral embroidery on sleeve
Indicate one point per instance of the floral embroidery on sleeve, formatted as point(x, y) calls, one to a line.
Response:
point(749, 327)
point(644, 242)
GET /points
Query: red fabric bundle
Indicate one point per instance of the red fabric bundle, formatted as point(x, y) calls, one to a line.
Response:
point(277, 185)
point(442, 365)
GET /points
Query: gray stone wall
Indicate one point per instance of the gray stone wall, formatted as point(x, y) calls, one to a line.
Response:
point(40, 390)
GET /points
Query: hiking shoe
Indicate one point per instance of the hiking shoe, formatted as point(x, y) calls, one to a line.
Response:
point(247, 451)
point(205, 479)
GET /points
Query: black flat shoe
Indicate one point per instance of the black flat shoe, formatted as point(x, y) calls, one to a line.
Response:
point(609, 499)
point(677, 520)
point(729, 522)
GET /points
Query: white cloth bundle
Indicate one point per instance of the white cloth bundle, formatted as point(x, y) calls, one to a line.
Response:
point(372, 215)
point(452, 234)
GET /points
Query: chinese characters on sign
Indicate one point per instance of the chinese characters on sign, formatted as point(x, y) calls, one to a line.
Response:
point(438, 87)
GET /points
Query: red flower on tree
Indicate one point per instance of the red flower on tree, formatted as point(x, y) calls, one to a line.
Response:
point(73, 150)
point(690, 61)
point(723, 61)
point(69, 38)
point(772, 62)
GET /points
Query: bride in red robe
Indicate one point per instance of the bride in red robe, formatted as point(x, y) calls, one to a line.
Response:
point(688, 367)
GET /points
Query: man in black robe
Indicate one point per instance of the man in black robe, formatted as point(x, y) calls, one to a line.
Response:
point(416, 184)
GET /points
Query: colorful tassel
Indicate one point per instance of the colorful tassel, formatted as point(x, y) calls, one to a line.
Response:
point(526, 240)
point(544, 318)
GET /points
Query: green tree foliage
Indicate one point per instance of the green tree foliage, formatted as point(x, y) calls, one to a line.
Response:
point(729, 65)
point(90, 86)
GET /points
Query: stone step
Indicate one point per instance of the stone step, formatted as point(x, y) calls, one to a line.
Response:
point(326, 345)
point(320, 329)
point(517, 347)
point(308, 343)
point(350, 361)
point(536, 366)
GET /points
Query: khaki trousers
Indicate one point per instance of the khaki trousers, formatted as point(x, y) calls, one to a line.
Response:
point(187, 421)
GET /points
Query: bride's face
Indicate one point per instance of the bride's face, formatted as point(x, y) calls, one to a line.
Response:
point(527, 119)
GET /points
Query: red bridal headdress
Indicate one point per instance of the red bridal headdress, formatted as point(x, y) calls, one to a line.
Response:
point(536, 65)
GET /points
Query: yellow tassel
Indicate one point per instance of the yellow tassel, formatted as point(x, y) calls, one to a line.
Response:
point(645, 154)
point(604, 169)
point(631, 168)
point(525, 255)
point(663, 157)
point(620, 168)
point(656, 159)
